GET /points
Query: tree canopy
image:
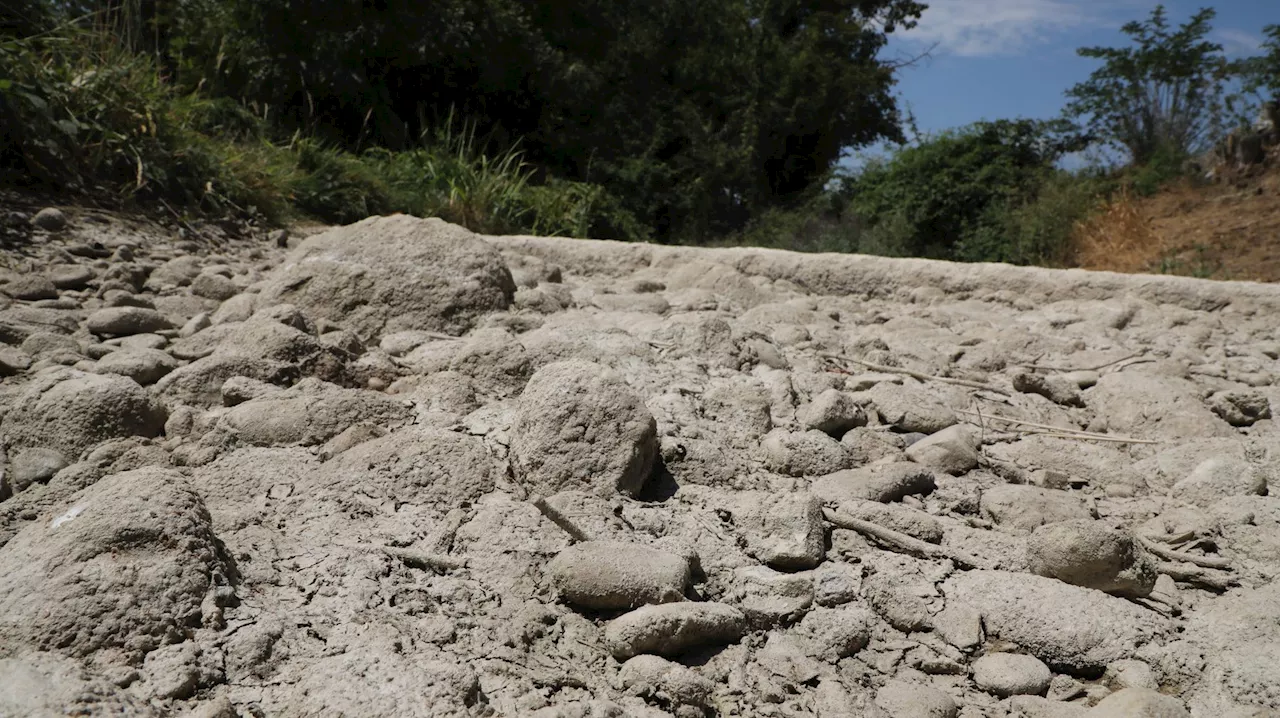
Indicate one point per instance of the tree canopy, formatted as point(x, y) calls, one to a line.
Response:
point(1163, 94)
point(698, 115)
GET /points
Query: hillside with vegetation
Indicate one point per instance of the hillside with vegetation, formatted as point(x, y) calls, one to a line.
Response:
point(716, 123)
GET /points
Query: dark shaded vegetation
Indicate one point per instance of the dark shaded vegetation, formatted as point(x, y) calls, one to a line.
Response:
point(711, 122)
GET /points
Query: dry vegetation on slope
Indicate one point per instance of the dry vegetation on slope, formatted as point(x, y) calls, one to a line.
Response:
point(1226, 230)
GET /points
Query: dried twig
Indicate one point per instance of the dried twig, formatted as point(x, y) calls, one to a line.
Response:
point(1169, 554)
point(919, 375)
point(1206, 577)
point(1042, 367)
point(1087, 436)
point(426, 561)
point(559, 519)
point(901, 541)
point(1058, 432)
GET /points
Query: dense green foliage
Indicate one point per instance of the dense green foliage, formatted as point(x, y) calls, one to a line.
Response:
point(696, 117)
point(1262, 73)
point(709, 122)
point(1164, 94)
point(959, 195)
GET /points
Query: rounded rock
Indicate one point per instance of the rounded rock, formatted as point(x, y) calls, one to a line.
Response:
point(1011, 674)
point(1092, 554)
point(214, 286)
point(50, 219)
point(1138, 703)
point(72, 276)
point(123, 566)
point(612, 575)
point(579, 425)
point(672, 628)
point(832, 412)
point(1217, 478)
point(124, 321)
point(36, 466)
point(1024, 508)
point(70, 411)
point(879, 482)
point(803, 453)
point(388, 274)
point(666, 682)
point(837, 632)
point(31, 287)
point(145, 366)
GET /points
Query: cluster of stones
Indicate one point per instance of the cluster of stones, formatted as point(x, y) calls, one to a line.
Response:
point(397, 469)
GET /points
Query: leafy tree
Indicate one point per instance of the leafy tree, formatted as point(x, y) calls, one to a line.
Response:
point(947, 196)
point(1262, 74)
point(1164, 94)
point(697, 115)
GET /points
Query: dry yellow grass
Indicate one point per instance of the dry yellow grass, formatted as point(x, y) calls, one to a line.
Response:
point(1117, 239)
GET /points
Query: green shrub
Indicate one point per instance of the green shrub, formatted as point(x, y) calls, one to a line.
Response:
point(984, 193)
point(1166, 165)
point(1039, 230)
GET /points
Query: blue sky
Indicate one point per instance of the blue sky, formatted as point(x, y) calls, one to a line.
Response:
point(995, 59)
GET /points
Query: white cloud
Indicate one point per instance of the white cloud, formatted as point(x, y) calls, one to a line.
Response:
point(1004, 27)
point(1237, 42)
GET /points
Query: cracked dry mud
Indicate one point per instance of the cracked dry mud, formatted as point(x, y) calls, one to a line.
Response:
point(397, 469)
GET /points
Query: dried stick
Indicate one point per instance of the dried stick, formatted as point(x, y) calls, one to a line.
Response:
point(1042, 367)
point(1062, 432)
point(1169, 554)
point(559, 519)
point(1217, 580)
point(919, 375)
point(426, 561)
point(901, 541)
point(1086, 436)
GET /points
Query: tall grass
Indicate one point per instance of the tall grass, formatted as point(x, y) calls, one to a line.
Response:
point(86, 112)
point(1118, 238)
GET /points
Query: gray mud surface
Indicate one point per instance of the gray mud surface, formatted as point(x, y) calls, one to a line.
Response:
point(396, 469)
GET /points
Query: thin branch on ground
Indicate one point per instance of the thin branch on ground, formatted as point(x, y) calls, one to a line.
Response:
point(914, 374)
point(1043, 367)
point(559, 519)
point(1169, 554)
point(902, 542)
point(1059, 432)
point(1206, 577)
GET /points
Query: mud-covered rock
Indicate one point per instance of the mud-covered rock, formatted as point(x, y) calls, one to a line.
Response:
point(1072, 629)
point(578, 425)
point(1011, 674)
point(672, 628)
point(879, 482)
point(1094, 555)
point(70, 411)
point(389, 274)
point(122, 567)
point(613, 575)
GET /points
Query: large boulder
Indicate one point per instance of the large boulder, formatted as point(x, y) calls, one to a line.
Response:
point(579, 425)
point(389, 274)
point(309, 413)
point(70, 411)
point(1094, 555)
point(1153, 407)
point(1072, 629)
point(123, 566)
